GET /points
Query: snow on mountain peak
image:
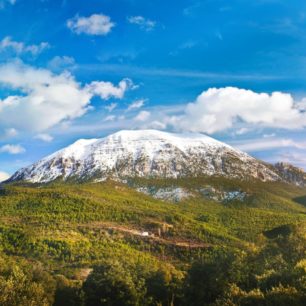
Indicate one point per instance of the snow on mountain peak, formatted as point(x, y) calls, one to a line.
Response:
point(182, 139)
point(145, 153)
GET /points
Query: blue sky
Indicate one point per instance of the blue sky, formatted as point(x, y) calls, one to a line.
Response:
point(73, 69)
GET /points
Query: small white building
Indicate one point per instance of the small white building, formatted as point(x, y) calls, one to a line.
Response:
point(145, 234)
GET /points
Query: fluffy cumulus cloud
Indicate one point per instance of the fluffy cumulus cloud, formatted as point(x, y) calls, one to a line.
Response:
point(96, 24)
point(7, 44)
point(12, 149)
point(45, 99)
point(3, 176)
point(219, 109)
point(143, 23)
point(106, 90)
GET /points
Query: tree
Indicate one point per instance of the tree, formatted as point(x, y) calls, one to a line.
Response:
point(208, 279)
point(68, 293)
point(19, 290)
point(112, 285)
point(164, 287)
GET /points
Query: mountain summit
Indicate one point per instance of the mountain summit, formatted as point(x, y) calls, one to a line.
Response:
point(146, 153)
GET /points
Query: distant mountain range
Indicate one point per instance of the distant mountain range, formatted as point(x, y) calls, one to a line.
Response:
point(153, 154)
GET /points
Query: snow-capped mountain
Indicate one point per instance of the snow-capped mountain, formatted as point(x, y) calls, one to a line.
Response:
point(146, 153)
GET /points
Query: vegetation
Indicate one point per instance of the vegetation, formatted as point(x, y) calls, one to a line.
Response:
point(106, 244)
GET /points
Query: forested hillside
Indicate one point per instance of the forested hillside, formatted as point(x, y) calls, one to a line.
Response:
point(107, 244)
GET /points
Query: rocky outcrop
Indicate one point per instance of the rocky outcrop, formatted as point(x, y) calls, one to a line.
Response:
point(291, 174)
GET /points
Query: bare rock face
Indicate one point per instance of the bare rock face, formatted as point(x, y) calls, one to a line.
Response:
point(171, 194)
point(223, 196)
point(146, 153)
point(291, 174)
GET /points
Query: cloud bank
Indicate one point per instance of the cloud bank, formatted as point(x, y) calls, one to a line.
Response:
point(219, 109)
point(257, 145)
point(45, 99)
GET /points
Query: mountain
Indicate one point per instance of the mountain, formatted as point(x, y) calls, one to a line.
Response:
point(146, 153)
point(291, 174)
point(70, 242)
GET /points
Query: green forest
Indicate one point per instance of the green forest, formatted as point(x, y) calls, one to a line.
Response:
point(107, 244)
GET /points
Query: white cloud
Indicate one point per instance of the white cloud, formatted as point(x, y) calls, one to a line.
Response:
point(255, 145)
point(242, 131)
point(44, 137)
point(4, 176)
point(47, 99)
point(12, 149)
point(156, 125)
point(10, 132)
point(136, 104)
point(96, 24)
point(143, 116)
point(296, 158)
point(143, 23)
point(111, 107)
point(269, 135)
point(196, 74)
point(58, 63)
point(110, 118)
point(219, 109)
point(7, 44)
point(106, 90)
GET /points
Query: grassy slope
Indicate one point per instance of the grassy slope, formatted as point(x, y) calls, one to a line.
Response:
point(69, 226)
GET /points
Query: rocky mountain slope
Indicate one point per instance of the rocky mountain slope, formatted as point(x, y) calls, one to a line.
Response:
point(291, 174)
point(146, 153)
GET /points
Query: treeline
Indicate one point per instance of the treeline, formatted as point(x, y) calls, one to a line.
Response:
point(273, 274)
